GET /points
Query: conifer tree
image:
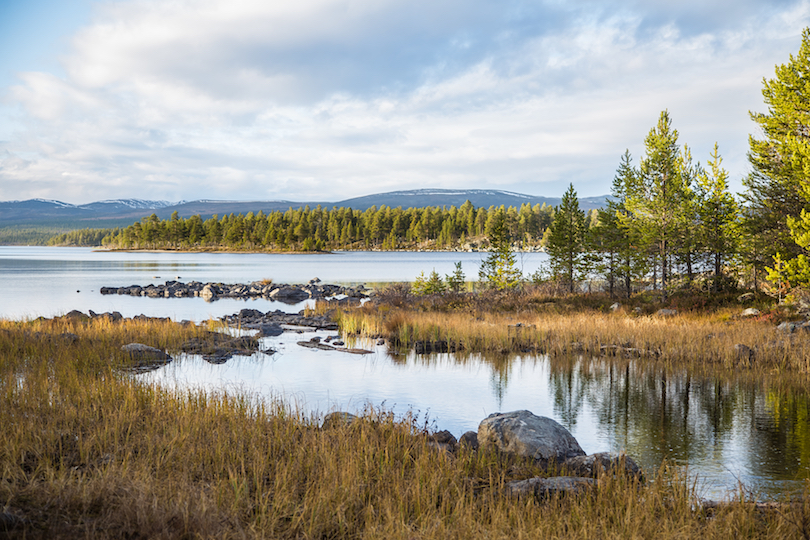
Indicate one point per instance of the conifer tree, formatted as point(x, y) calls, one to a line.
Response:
point(718, 213)
point(658, 196)
point(777, 186)
point(566, 241)
point(621, 260)
point(499, 270)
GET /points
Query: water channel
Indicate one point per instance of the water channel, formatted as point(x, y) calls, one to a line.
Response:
point(725, 432)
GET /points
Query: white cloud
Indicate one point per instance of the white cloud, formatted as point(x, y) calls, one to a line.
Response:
point(329, 99)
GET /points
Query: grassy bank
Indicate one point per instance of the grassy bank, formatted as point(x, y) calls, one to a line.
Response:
point(87, 452)
point(713, 338)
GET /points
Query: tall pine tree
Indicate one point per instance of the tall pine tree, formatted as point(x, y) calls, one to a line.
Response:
point(659, 195)
point(566, 241)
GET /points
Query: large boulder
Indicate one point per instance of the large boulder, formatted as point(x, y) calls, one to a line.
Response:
point(524, 434)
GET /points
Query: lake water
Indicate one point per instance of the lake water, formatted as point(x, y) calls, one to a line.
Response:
point(46, 281)
point(724, 431)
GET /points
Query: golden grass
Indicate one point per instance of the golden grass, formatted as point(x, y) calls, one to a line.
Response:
point(703, 339)
point(88, 452)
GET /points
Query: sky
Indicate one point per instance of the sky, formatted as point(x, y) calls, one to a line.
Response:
point(332, 99)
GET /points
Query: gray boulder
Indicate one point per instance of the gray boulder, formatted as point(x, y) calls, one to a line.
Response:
point(549, 487)
point(470, 440)
point(521, 433)
point(208, 292)
point(338, 419)
point(145, 358)
point(750, 312)
point(289, 295)
point(589, 466)
point(270, 330)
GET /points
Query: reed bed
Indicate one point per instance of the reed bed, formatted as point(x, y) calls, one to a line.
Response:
point(714, 340)
point(87, 451)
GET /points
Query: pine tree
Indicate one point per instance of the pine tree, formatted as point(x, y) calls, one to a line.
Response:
point(658, 196)
point(566, 241)
point(499, 270)
point(621, 260)
point(718, 214)
point(777, 186)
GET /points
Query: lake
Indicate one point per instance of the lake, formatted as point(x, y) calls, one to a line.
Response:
point(723, 431)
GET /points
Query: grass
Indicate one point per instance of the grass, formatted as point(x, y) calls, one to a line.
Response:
point(702, 338)
point(87, 451)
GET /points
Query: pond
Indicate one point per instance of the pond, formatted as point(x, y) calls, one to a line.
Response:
point(725, 431)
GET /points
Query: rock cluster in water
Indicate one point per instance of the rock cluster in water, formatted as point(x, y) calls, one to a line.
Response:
point(290, 294)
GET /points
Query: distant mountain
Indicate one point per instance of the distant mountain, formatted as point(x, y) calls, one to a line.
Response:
point(44, 213)
point(417, 198)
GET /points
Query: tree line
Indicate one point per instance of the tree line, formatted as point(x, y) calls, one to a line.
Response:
point(317, 229)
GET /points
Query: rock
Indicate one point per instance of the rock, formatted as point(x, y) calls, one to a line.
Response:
point(666, 312)
point(750, 312)
point(208, 293)
point(470, 440)
point(141, 351)
point(615, 307)
point(637, 310)
point(743, 353)
point(443, 440)
point(75, 315)
point(145, 358)
point(549, 487)
point(787, 327)
point(521, 433)
point(217, 348)
point(606, 461)
point(270, 330)
point(289, 295)
point(338, 419)
point(747, 297)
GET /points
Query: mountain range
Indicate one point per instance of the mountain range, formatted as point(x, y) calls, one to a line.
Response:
point(123, 212)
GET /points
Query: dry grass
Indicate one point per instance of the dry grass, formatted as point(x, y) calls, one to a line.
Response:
point(88, 452)
point(699, 339)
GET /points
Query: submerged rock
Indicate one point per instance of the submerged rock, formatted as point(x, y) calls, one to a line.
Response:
point(523, 434)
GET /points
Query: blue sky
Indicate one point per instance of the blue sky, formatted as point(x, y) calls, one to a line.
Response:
point(331, 99)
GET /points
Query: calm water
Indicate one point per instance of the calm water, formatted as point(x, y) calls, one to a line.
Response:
point(725, 432)
point(43, 281)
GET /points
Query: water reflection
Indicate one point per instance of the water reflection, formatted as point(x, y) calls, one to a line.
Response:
point(724, 431)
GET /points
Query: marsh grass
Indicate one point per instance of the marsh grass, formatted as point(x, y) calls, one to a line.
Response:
point(88, 452)
point(700, 339)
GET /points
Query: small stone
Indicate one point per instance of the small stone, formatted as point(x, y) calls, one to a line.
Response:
point(470, 440)
point(615, 307)
point(750, 312)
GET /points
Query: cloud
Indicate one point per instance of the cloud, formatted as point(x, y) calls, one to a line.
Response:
point(328, 99)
